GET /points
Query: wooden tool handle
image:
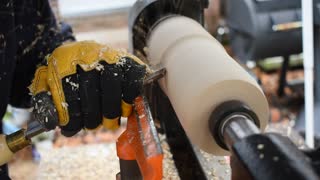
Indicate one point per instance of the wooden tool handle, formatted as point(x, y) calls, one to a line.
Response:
point(5, 153)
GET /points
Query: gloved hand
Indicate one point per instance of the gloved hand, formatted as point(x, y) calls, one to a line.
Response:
point(91, 85)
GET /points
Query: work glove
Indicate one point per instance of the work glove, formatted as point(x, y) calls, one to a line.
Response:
point(90, 85)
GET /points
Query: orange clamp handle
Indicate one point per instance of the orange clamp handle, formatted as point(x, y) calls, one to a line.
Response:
point(140, 142)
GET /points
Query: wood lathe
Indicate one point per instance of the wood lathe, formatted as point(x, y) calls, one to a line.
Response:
point(204, 99)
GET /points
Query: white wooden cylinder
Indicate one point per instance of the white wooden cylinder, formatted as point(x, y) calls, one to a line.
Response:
point(200, 76)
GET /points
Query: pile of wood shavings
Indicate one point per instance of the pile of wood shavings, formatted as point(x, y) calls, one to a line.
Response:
point(170, 171)
point(92, 162)
point(215, 167)
point(99, 161)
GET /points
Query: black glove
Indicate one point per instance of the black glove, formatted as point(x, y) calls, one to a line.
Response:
point(91, 85)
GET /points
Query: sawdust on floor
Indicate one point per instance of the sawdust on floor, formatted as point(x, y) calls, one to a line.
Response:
point(97, 161)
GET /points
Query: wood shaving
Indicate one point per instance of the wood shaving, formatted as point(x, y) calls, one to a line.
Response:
point(170, 171)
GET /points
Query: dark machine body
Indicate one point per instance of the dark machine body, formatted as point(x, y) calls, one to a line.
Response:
point(273, 28)
point(145, 14)
point(261, 29)
point(233, 125)
point(256, 155)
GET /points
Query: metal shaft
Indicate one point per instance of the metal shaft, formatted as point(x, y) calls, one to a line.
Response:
point(155, 75)
point(34, 128)
point(237, 127)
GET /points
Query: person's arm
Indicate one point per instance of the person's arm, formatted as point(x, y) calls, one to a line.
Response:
point(38, 34)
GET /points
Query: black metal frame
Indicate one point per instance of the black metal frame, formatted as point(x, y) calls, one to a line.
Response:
point(255, 155)
point(184, 155)
point(144, 16)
